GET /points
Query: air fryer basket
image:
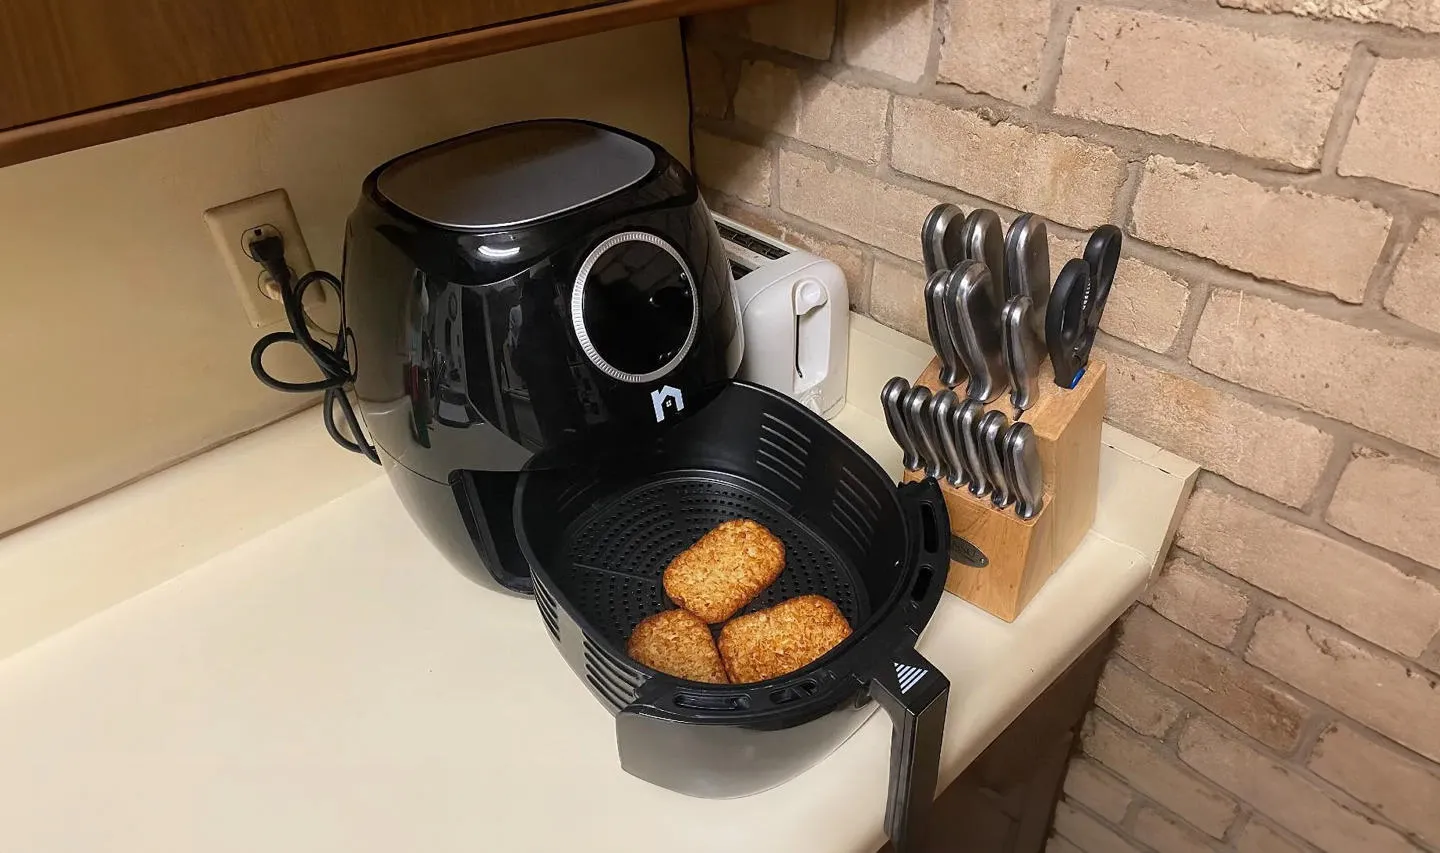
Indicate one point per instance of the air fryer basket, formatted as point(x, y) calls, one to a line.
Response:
point(598, 539)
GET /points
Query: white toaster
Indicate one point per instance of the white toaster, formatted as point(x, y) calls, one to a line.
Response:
point(795, 309)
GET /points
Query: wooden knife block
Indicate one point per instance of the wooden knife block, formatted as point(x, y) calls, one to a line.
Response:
point(1021, 555)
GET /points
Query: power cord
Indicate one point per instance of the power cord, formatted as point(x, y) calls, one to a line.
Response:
point(267, 248)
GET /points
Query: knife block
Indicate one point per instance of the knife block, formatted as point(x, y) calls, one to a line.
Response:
point(1020, 555)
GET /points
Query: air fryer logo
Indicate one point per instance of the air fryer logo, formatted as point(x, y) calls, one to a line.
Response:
point(667, 401)
point(909, 676)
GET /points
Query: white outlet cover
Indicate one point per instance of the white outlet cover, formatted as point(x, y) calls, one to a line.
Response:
point(228, 224)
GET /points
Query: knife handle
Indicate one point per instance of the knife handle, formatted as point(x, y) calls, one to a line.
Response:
point(892, 401)
point(984, 237)
point(942, 328)
point(1021, 352)
point(1023, 471)
point(1027, 265)
point(977, 330)
point(967, 427)
point(938, 236)
point(944, 409)
point(922, 423)
point(992, 448)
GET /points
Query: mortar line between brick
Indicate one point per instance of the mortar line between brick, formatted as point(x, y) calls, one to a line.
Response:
point(1262, 676)
point(1124, 204)
point(939, 22)
point(1282, 25)
point(1288, 761)
point(1274, 826)
point(1246, 625)
point(1242, 820)
point(1170, 754)
point(1103, 821)
point(1189, 321)
point(1430, 658)
point(1128, 142)
point(1324, 491)
point(1052, 55)
point(867, 261)
point(1404, 228)
point(1275, 603)
point(1347, 103)
point(1242, 810)
point(1272, 404)
point(1371, 736)
point(1408, 566)
point(1155, 686)
point(773, 153)
point(1246, 629)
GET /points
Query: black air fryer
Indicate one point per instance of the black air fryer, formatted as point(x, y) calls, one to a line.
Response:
point(544, 338)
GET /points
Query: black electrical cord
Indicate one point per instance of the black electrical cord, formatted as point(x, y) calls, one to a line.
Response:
point(269, 251)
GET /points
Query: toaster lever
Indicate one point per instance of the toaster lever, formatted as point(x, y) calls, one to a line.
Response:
point(811, 302)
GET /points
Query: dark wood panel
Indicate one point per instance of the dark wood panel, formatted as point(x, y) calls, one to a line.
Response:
point(33, 141)
point(1004, 801)
point(64, 56)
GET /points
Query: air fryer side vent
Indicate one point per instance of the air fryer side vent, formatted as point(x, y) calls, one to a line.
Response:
point(548, 611)
point(614, 681)
point(783, 450)
point(854, 510)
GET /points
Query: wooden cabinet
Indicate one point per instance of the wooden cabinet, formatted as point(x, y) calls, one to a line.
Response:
point(79, 72)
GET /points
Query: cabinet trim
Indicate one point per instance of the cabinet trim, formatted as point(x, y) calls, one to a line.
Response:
point(132, 118)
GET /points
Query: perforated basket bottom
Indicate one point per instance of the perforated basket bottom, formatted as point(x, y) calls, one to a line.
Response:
point(619, 549)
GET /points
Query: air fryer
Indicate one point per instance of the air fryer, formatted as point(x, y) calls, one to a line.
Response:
point(598, 538)
point(544, 337)
point(522, 296)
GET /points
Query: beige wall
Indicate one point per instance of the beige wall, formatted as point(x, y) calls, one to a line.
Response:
point(124, 344)
point(1276, 166)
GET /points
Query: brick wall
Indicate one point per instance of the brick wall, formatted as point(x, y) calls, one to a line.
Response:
point(1275, 165)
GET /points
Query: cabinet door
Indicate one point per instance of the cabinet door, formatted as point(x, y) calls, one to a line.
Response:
point(59, 57)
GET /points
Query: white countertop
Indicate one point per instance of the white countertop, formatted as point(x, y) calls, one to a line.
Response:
point(333, 685)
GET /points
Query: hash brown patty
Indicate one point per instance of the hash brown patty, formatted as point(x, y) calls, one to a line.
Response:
point(725, 569)
point(778, 640)
point(677, 643)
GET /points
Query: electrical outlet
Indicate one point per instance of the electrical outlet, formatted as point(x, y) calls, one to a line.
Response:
point(229, 226)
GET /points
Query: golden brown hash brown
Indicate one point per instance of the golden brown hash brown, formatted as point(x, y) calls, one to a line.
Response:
point(677, 643)
point(725, 570)
point(781, 639)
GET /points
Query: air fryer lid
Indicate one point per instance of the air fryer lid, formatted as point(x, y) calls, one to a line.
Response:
point(598, 539)
point(514, 174)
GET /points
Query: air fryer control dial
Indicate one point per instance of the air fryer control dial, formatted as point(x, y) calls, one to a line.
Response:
point(634, 307)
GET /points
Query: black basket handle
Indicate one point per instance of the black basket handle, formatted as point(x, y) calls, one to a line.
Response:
point(915, 694)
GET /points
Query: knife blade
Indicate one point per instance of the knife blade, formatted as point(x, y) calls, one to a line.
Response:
point(892, 401)
point(940, 244)
point(984, 237)
point(967, 427)
point(942, 328)
point(1021, 352)
point(1027, 265)
point(944, 408)
point(976, 330)
point(1023, 471)
point(992, 449)
point(921, 423)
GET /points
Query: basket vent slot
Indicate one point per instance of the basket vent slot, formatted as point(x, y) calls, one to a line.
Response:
point(783, 450)
point(548, 610)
